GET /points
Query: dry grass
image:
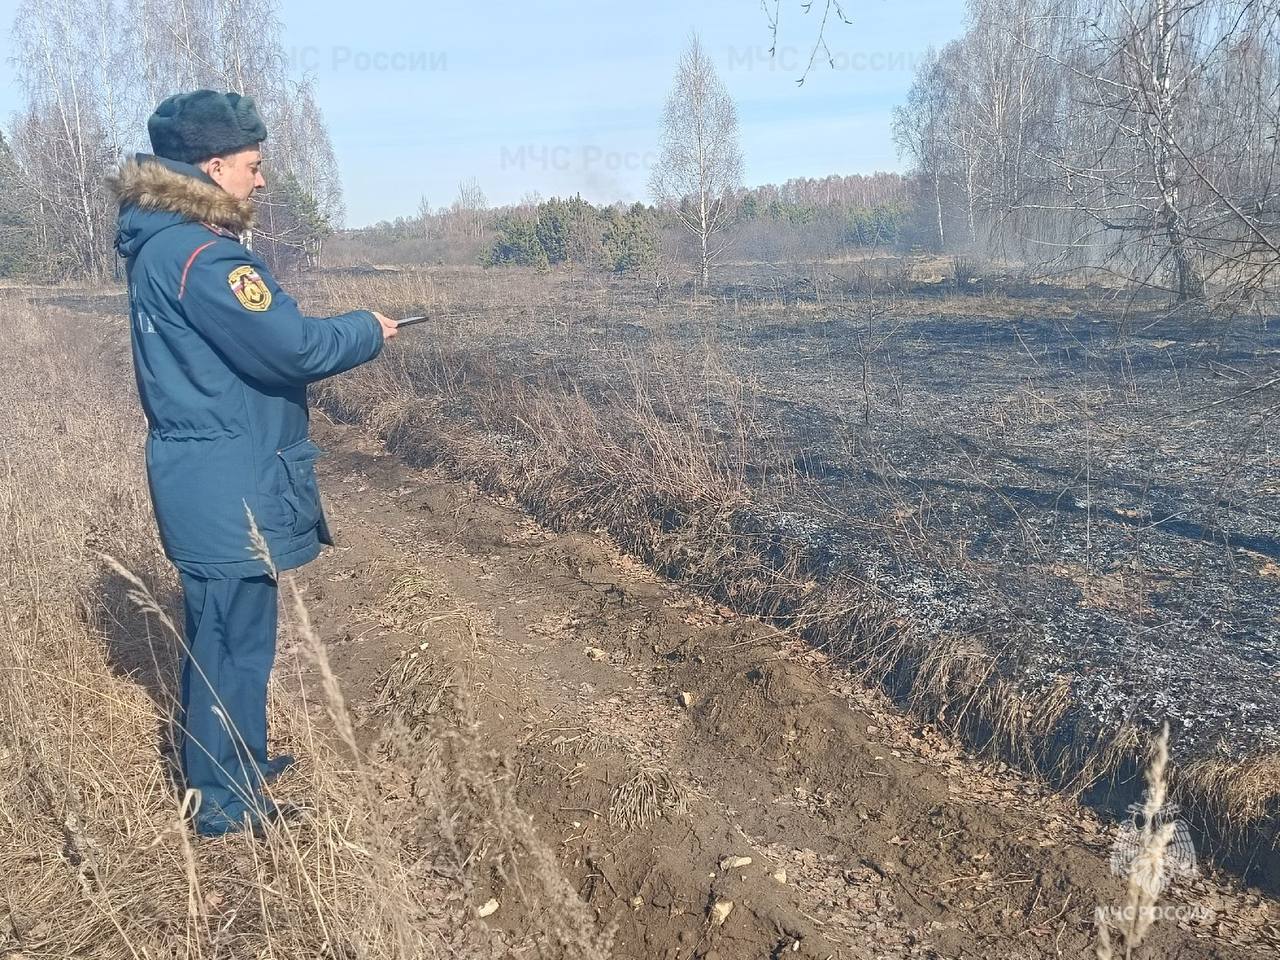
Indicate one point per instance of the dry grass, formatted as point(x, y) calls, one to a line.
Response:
point(95, 856)
point(647, 794)
point(1146, 867)
point(412, 604)
point(1238, 792)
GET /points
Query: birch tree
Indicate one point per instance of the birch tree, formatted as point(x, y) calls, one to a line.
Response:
point(92, 72)
point(468, 210)
point(699, 167)
point(918, 131)
point(65, 138)
point(1136, 137)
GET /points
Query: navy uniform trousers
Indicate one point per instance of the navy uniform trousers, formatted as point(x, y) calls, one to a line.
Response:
point(222, 721)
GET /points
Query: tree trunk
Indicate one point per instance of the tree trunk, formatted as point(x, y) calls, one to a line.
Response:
point(937, 198)
point(704, 235)
point(1190, 285)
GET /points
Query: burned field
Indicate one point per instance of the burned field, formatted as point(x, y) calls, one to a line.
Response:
point(1097, 507)
point(1041, 522)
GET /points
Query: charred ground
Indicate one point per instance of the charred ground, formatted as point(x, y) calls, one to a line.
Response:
point(1046, 519)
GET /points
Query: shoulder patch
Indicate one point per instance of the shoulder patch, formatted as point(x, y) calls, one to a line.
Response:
point(249, 288)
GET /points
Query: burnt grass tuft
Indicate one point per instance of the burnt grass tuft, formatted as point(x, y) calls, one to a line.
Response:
point(1047, 524)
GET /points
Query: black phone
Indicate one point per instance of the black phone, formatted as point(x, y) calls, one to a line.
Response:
point(410, 321)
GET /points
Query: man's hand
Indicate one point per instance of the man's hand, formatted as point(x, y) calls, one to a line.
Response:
point(388, 326)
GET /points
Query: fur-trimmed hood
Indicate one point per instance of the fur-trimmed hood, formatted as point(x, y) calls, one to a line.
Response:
point(156, 192)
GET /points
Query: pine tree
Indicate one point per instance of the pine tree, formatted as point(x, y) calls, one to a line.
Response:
point(631, 239)
point(294, 226)
point(517, 244)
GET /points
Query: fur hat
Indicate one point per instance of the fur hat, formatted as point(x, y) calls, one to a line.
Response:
point(190, 127)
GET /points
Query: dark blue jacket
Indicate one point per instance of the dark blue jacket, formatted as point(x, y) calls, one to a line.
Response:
point(223, 357)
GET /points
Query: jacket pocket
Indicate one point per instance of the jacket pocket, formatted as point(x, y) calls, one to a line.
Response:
point(301, 493)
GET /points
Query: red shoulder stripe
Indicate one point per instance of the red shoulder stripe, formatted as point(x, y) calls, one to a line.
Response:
point(182, 287)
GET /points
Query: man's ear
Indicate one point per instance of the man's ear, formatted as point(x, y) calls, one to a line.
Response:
point(212, 168)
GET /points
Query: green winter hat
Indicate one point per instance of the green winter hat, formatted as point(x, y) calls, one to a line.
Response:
point(190, 127)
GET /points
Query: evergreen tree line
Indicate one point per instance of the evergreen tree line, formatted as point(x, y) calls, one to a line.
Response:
point(860, 211)
point(573, 231)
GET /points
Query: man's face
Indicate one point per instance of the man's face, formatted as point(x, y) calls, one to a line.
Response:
point(238, 173)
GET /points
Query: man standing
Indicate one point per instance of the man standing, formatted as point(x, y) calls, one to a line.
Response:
point(223, 357)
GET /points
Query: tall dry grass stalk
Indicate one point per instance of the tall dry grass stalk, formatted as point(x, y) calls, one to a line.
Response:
point(94, 850)
point(1146, 876)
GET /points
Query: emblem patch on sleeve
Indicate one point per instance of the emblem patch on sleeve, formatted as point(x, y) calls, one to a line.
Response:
point(249, 288)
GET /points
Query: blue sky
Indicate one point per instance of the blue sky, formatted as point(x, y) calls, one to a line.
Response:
point(565, 96)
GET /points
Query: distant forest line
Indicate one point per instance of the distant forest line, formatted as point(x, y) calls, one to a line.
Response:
point(803, 217)
point(1139, 140)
